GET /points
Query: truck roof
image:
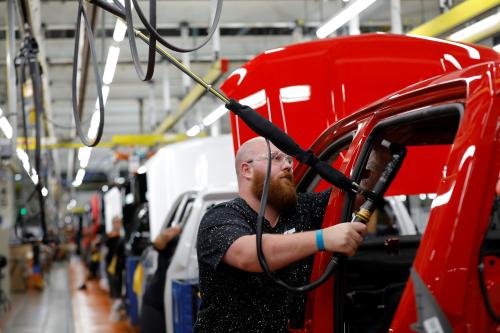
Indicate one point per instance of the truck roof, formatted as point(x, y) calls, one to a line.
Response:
point(318, 83)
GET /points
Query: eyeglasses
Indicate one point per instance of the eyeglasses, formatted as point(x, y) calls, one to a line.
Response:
point(277, 158)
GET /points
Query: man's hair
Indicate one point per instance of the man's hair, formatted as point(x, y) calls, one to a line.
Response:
point(246, 152)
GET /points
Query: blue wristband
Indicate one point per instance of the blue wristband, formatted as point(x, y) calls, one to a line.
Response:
point(319, 240)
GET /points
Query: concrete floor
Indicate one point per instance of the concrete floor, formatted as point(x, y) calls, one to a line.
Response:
point(62, 308)
point(45, 311)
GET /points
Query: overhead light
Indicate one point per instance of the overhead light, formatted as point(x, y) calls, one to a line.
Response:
point(142, 169)
point(129, 198)
point(34, 176)
point(122, 3)
point(293, 94)
point(486, 26)
point(214, 115)
point(84, 156)
point(24, 159)
point(18, 177)
point(45, 192)
point(195, 130)
point(6, 128)
point(111, 61)
point(79, 178)
point(105, 93)
point(71, 204)
point(343, 17)
point(120, 180)
point(94, 124)
point(105, 188)
point(120, 29)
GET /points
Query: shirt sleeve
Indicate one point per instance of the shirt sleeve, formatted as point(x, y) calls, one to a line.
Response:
point(219, 228)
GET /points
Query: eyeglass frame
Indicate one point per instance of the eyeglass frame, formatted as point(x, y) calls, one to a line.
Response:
point(276, 157)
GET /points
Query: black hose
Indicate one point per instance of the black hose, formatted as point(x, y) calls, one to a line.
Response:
point(28, 54)
point(38, 101)
point(484, 291)
point(125, 12)
point(133, 47)
point(154, 33)
point(90, 38)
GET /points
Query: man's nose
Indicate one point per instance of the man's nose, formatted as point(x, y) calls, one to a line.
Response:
point(285, 165)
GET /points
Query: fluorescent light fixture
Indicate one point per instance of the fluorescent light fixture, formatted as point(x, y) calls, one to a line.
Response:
point(5, 125)
point(195, 130)
point(79, 178)
point(497, 48)
point(120, 29)
point(45, 192)
point(24, 158)
point(491, 22)
point(293, 94)
point(34, 176)
point(122, 2)
point(214, 115)
point(94, 123)
point(255, 100)
point(6, 128)
point(111, 61)
point(120, 180)
point(142, 169)
point(343, 17)
point(71, 204)
point(84, 156)
point(129, 198)
point(105, 93)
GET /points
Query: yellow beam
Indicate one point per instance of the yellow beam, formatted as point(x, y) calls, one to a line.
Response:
point(116, 140)
point(454, 17)
point(215, 72)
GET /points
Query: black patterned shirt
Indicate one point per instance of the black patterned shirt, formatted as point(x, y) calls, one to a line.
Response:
point(234, 300)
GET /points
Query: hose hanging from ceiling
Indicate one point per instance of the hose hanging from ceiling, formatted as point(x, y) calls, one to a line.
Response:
point(28, 57)
point(125, 13)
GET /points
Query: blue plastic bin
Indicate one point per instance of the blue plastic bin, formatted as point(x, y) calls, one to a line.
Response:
point(186, 302)
point(133, 306)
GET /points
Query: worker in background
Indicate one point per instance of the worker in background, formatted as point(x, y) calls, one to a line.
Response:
point(115, 264)
point(382, 221)
point(236, 295)
point(153, 310)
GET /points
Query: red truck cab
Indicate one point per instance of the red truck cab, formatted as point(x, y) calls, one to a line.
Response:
point(433, 263)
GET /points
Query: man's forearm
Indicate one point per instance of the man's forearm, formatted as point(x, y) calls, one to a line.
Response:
point(279, 250)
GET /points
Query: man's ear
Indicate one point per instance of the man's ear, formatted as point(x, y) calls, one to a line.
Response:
point(245, 170)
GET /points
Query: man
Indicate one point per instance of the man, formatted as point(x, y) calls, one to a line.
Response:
point(381, 221)
point(152, 319)
point(236, 295)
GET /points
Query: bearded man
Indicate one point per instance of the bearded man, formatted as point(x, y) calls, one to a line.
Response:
point(236, 295)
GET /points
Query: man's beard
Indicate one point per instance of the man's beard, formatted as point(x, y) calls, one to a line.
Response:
point(282, 194)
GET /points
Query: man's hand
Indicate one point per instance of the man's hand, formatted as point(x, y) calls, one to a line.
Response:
point(344, 237)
